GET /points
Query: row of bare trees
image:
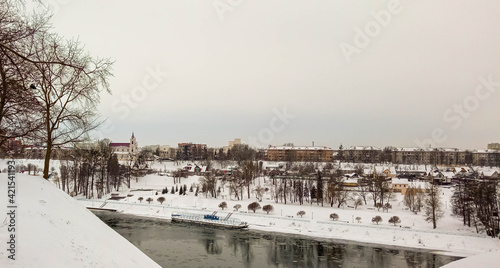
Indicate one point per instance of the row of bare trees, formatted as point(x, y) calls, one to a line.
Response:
point(477, 202)
point(93, 170)
point(49, 86)
point(240, 179)
point(330, 188)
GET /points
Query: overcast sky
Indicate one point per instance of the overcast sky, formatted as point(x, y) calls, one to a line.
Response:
point(406, 74)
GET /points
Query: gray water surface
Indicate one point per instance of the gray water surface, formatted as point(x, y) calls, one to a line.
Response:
point(188, 245)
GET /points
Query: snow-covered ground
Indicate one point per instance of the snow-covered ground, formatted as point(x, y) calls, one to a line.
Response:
point(450, 237)
point(490, 259)
point(54, 230)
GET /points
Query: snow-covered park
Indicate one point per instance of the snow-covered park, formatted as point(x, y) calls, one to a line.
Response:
point(52, 210)
point(450, 236)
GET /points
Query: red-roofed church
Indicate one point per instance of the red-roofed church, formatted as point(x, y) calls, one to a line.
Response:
point(125, 151)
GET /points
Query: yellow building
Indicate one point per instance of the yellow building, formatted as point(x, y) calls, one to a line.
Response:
point(300, 153)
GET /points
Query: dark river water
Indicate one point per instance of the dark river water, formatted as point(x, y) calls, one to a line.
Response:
point(188, 245)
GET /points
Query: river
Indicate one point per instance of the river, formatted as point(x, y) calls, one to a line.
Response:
point(188, 245)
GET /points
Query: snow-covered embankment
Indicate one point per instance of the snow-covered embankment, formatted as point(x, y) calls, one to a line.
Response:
point(54, 230)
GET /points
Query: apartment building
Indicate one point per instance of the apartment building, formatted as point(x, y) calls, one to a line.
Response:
point(300, 153)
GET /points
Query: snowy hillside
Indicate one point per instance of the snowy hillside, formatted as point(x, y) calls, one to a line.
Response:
point(54, 230)
point(490, 259)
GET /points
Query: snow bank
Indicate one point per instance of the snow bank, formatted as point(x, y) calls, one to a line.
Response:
point(54, 230)
point(490, 259)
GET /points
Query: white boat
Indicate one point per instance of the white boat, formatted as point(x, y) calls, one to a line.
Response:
point(210, 220)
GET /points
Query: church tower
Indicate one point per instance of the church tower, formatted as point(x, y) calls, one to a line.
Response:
point(133, 145)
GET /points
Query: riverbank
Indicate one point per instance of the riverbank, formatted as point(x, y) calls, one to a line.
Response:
point(167, 243)
point(317, 225)
point(353, 224)
point(450, 237)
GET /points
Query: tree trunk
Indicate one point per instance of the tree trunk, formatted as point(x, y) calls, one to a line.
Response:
point(46, 164)
point(75, 178)
point(92, 184)
point(433, 217)
point(284, 191)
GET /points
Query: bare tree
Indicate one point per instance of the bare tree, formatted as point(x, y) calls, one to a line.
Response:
point(378, 187)
point(413, 198)
point(320, 188)
point(476, 201)
point(66, 95)
point(18, 117)
point(433, 206)
point(363, 190)
point(236, 185)
point(337, 191)
point(259, 192)
point(410, 198)
point(44, 77)
point(248, 174)
point(358, 202)
point(209, 182)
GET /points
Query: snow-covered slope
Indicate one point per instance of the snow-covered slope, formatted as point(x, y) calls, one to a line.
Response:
point(490, 259)
point(54, 230)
